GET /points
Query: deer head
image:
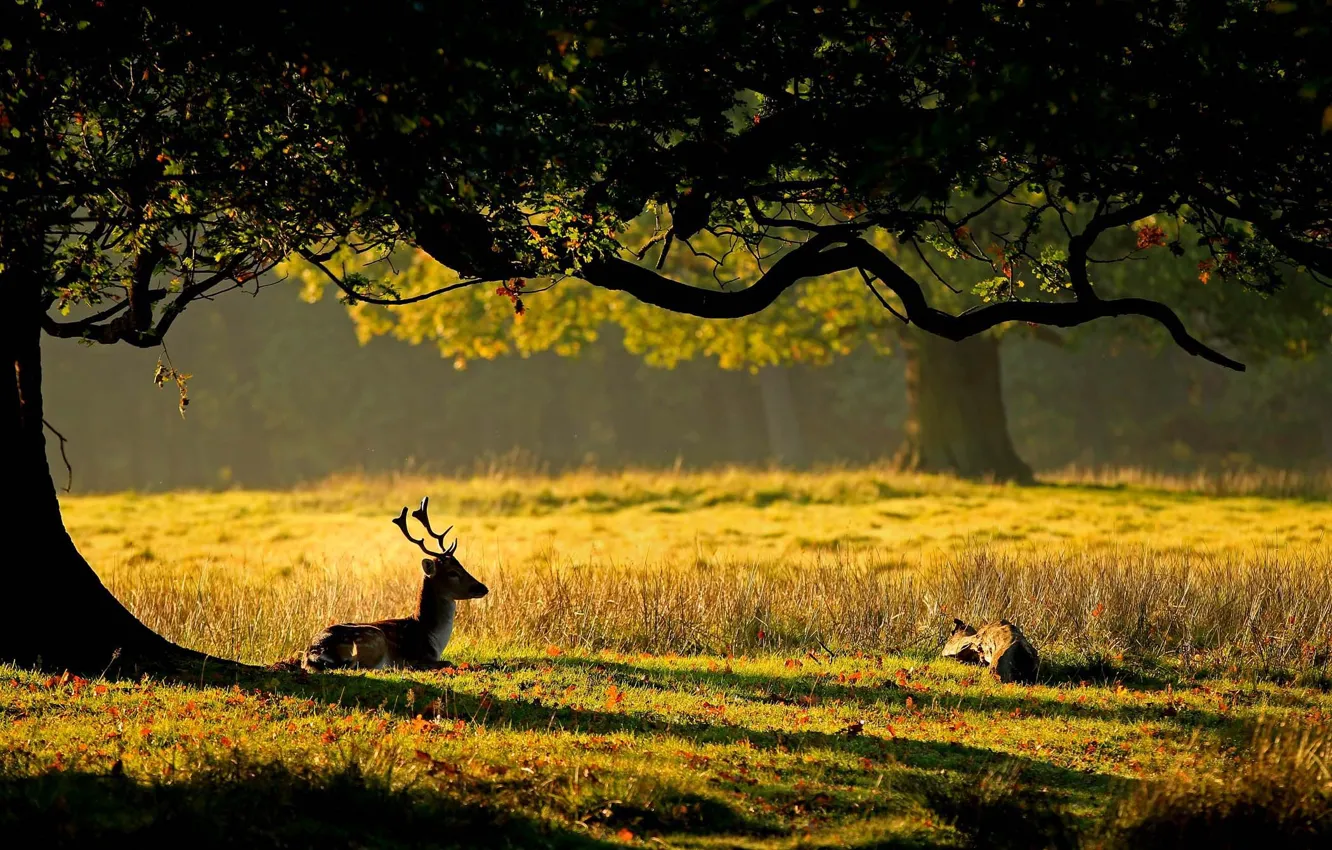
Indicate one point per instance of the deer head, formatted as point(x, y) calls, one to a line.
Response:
point(447, 578)
point(961, 644)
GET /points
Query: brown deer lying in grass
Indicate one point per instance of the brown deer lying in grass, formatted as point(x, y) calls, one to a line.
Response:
point(417, 641)
point(1001, 646)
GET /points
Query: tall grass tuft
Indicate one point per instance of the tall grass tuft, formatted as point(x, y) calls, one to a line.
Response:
point(1275, 793)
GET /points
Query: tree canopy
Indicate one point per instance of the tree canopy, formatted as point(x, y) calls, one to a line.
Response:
point(787, 142)
point(523, 143)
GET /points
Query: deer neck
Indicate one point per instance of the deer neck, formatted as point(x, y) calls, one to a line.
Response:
point(436, 617)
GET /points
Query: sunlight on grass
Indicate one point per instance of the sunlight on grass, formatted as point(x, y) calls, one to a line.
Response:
point(736, 514)
point(724, 659)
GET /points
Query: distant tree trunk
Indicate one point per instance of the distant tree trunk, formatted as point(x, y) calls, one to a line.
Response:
point(956, 421)
point(785, 443)
point(1326, 423)
point(58, 613)
point(729, 394)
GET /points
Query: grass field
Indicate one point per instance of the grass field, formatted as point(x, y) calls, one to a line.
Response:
point(731, 659)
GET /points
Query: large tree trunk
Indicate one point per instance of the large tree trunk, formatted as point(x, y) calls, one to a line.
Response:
point(955, 410)
point(58, 613)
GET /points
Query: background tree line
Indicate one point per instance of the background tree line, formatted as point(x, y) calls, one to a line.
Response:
point(282, 392)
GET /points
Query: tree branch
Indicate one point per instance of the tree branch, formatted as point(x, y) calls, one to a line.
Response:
point(808, 260)
point(140, 304)
point(314, 260)
point(1056, 314)
point(80, 328)
point(1079, 245)
point(154, 337)
point(869, 281)
point(124, 327)
point(69, 470)
point(816, 259)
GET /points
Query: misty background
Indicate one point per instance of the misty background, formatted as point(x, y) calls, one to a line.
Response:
point(282, 393)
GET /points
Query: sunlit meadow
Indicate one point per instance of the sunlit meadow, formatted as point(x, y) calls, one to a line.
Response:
point(734, 658)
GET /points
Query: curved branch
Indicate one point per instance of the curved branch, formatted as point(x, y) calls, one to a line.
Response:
point(81, 327)
point(1079, 245)
point(313, 260)
point(1058, 314)
point(140, 300)
point(815, 259)
point(808, 260)
point(124, 326)
point(869, 281)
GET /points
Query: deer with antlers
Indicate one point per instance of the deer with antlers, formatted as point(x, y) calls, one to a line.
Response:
point(417, 641)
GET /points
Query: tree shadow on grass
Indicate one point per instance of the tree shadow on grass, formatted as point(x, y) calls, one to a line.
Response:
point(450, 697)
point(443, 702)
point(882, 694)
point(531, 714)
point(257, 806)
point(297, 810)
point(1102, 671)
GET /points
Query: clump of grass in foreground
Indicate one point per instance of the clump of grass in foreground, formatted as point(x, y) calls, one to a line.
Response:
point(1276, 792)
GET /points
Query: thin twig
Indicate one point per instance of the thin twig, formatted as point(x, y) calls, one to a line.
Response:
point(869, 281)
point(385, 302)
point(937, 276)
point(69, 470)
point(665, 248)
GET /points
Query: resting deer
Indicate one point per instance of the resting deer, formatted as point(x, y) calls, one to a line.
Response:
point(1000, 646)
point(417, 641)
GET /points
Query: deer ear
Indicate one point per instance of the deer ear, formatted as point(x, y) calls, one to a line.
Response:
point(428, 566)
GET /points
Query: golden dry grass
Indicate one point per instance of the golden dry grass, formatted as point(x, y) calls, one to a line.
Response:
point(692, 562)
point(724, 659)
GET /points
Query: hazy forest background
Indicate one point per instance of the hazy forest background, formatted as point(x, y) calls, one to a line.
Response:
point(282, 392)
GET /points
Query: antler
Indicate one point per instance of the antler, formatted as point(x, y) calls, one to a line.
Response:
point(422, 515)
point(401, 523)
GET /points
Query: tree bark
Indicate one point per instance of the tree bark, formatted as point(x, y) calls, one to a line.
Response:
point(956, 422)
point(60, 616)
